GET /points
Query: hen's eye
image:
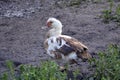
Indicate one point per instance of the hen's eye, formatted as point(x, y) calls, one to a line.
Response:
point(51, 22)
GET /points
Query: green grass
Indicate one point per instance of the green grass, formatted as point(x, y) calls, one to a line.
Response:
point(108, 64)
point(110, 14)
point(75, 2)
point(78, 2)
point(106, 67)
point(47, 71)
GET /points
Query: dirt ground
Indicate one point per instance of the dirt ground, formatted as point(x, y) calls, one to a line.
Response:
point(22, 28)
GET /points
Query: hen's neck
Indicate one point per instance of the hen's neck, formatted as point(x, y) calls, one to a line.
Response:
point(54, 32)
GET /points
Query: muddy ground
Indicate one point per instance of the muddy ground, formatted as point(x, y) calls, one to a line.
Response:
point(22, 28)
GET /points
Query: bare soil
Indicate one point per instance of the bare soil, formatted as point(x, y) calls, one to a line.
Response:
point(22, 28)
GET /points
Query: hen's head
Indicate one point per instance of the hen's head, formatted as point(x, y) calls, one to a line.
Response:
point(54, 23)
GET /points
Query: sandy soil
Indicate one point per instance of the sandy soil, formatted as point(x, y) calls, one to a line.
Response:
point(22, 28)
